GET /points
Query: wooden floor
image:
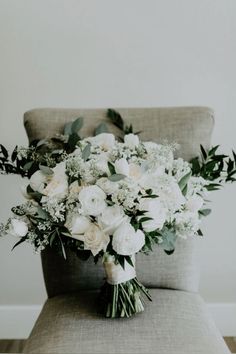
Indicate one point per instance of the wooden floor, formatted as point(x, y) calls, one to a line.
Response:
point(16, 346)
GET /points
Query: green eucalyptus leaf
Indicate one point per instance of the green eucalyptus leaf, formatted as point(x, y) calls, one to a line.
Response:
point(77, 125)
point(86, 152)
point(28, 165)
point(67, 128)
point(101, 128)
point(116, 177)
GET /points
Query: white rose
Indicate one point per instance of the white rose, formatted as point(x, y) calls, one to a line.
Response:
point(37, 181)
point(105, 140)
point(18, 227)
point(155, 211)
point(122, 167)
point(107, 186)
point(111, 218)
point(58, 185)
point(131, 140)
point(101, 163)
point(194, 203)
point(136, 172)
point(77, 225)
point(126, 241)
point(92, 199)
point(95, 239)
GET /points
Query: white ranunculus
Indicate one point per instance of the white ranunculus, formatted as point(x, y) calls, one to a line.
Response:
point(111, 218)
point(92, 199)
point(126, 241)
point(136, 172)
point(95, 239)
point(150, 146)
point(58, 184)
point(105, 140)
point(37, 181)
point(194, 203)
point(154, 210)
point(122, 166)
point(107, 186)
point(18, 227)
point(131, 140)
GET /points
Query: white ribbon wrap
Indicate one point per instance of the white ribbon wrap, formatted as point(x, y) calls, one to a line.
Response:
point(116, 274)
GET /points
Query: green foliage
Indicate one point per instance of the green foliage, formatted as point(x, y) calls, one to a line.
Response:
point(216, 168)
point(86, 152)
point(101, 128)
point(116, 177)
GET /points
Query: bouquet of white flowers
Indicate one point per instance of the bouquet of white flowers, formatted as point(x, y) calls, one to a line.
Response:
point(111, 200)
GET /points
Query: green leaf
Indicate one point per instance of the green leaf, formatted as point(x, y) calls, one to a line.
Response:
point(212, 151)
point(77, 125)
point(28, 165)
point(144, 219)
point(67, 128)
point(62, 246)
point(42, 214)
point(111, 168)
point(86, 152)
point(46, 170)
point(169, 238)
point(204, 212)
point(121, 260)
point(184, 181)
point(52, 238)
point(200, 232)
point(116, 177)
point(73, 140)
point(101, 128)
point(116, 118)
point(195, 165)
point(129, 260)
point(14, 154)
point(22, 239)
point(203, 151)
point(4, 151)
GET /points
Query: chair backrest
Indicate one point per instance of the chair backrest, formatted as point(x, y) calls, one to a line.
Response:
point(188, 126)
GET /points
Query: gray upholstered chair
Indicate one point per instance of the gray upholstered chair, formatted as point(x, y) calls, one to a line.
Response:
point(177, 320)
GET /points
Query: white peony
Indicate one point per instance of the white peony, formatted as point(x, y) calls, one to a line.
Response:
point(194, 203)
point(107, 186)
point(122, 166)
point(95, 239)
point(154, 210)
point(131, 140)
point(126, 241)
point(105, 141)
point(58, 185)
point(37, 181)
point(111, 218)
point(18, 228)
point(92, 199)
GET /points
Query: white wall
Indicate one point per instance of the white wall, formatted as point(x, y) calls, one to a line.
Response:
point(84, 53)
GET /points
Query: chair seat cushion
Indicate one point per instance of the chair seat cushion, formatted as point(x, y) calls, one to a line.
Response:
point(175, 322)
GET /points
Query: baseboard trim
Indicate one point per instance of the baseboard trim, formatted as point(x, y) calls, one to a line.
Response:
point(17, 321)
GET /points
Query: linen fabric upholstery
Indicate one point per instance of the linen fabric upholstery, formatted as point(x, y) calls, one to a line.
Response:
point(176, 322)
point(188, 126)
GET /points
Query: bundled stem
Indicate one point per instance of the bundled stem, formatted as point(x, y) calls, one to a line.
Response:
point(123, 299)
